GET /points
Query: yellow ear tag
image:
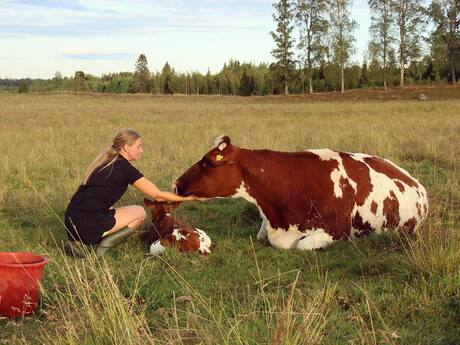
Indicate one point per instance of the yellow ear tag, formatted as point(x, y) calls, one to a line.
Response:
point(219, 157)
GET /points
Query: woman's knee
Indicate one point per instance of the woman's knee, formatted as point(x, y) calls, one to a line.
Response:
point(139, 214)
point(131, 216)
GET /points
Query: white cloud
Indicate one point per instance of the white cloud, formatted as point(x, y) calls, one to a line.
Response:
point(101, 36)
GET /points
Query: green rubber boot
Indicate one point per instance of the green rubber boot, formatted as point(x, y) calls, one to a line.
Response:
point(113, 240)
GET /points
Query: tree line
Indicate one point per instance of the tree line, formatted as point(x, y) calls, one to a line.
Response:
point(323, 33)
point(314, 42)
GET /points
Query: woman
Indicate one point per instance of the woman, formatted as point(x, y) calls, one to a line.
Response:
point(90, 217)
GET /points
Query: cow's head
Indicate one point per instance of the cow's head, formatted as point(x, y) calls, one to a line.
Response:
point(160, 209)
point(215, 175)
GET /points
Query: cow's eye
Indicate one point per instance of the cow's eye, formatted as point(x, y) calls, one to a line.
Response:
point(207, 163)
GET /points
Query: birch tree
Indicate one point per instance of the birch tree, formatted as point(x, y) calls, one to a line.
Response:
point(409, 16)
point(311, 18)
point(342, 40)
point(446, 35)
point(382, 32)
point(283, 38)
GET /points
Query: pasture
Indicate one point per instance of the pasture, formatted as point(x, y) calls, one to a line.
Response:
point(378, 290)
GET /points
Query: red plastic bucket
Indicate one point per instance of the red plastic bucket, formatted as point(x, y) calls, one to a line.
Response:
point(20, 275)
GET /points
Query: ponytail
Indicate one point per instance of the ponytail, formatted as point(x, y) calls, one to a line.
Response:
point(110, 155)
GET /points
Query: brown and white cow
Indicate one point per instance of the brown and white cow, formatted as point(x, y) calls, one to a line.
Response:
point(167, 231)
point(309, 199)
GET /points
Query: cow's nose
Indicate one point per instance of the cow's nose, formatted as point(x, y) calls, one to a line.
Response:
point(174, 187)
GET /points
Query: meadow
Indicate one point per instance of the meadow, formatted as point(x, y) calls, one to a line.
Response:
point(384, 289)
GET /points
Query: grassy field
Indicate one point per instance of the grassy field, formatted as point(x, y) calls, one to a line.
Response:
point(376, 290)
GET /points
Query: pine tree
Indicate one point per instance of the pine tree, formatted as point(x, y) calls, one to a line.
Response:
point(141, 75)
point(310, 15)
point(363, 82)
point(342, 40)
point(247, 84)
point(79, 81)
point(283, 53)
point(166, 77)
point(23, 86)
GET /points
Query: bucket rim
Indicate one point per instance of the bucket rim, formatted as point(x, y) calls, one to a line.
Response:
point(36, 260)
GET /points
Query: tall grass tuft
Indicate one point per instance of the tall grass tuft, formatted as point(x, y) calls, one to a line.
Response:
point(88, 307)
point(435, 259)
point(272, 313)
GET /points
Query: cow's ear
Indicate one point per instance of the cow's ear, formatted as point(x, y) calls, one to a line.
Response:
point(222, 142)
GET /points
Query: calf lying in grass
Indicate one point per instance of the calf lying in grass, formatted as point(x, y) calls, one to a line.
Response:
point(169, 232)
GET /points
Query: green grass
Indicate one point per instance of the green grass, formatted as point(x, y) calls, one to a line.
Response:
point(376, 290)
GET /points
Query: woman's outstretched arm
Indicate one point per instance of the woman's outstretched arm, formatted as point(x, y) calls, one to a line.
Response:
point(148, 188)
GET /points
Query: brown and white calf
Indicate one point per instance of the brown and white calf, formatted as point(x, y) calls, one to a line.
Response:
point(167, 231)
point(309, 199)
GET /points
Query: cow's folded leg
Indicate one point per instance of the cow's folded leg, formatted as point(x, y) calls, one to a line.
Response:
point(157, 248)
point(262, 235)
point(315, 239)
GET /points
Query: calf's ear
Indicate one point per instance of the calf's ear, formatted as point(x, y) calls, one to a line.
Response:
point(173, 205)
point(148, 202)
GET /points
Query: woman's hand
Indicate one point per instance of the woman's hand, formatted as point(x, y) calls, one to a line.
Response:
point(195, 198)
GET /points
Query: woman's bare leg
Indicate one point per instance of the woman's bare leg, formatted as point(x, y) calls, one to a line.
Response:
point(131, 216)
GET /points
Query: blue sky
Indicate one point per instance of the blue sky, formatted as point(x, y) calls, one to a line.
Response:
point(40, 37)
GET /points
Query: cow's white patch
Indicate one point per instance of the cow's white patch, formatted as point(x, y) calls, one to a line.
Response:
point(315, 239)
point(242, 192)
point(176, 233)
point(205, 242)
point(359, 157)
point(282, 238)
point(324, 154)
point(156, 248)
point(222, 146)
point(382, 186)
point(338, 173)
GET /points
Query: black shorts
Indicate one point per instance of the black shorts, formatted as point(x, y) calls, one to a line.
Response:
point(88, 227)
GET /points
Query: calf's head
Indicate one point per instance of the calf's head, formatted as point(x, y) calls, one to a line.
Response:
point(160, 209)
point(215, 175)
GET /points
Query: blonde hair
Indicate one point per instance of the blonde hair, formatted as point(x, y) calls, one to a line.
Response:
point(109, 155)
